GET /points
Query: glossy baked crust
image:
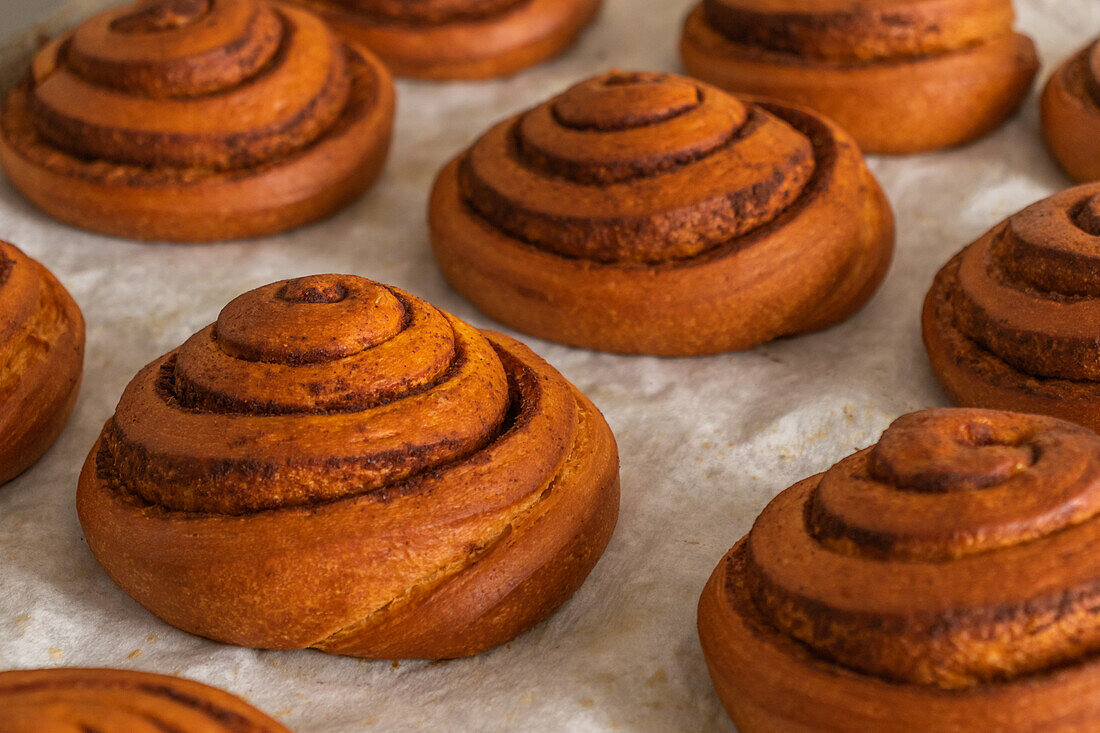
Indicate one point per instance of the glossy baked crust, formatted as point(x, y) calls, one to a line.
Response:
point(197, 120)
point(650, 213)
point(117, 701)
point(41, 360)
point(1011, 321)
point(1071, 114)
point(943, 579)
point(337, 464)
point(459, 39)
point(901, 76)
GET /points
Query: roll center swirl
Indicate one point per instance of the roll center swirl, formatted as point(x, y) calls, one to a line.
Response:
point(624, 100)
point(940, 452)
point(1088, 218)
point(948, 483)
point(309, 320)
point(313, 290)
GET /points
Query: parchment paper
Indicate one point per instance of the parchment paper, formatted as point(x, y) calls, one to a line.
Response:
point(705, 443)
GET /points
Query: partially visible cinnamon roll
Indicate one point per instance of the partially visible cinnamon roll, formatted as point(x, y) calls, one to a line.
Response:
point(337, 464)
point(650, 213)
point(196, 120)
point(459, 39)
point(1011, 322)
point(944, 579)
point(901, 76)
point(41, 360)
point(1070, 109)
point(64, 700)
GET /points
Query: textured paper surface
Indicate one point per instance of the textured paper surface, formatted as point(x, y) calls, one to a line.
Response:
point(705, 443)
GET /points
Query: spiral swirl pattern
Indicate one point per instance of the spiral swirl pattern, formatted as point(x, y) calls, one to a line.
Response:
point(631, 190)
point(956, 554)
point(199, 93)
point(1011, 320)
point(891, 72)
point(115, 701)
point(41, 359)
point(458, 39)
point(720, 176)
point(1071, 114)
point(334, 418)
point(109, 93)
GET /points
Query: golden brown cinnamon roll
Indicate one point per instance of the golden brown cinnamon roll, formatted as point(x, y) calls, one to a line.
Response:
point(942, 579)
point(41, 360)
point(195, 120)
point(459, 39)
point(116, 701)
point(900, 75)
point(1071, 114)
point(1011, 321)
point(337, 464)
point(650, 213)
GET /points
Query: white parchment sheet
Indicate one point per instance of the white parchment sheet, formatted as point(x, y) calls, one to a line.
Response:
point(705, 443)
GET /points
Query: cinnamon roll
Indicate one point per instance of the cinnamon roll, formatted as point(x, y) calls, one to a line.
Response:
point(942, 579)
point(650, 213)
point(41, 360)
point(197, 120)
point(1011, 321)
point(901, 76)
point(337, 464)
point(1071, 114)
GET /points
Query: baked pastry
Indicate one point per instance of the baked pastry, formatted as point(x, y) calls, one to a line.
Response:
point(1070, 109)
point(41, 360)
point(459, 39)
point(1011, 321)
point(197, 120)
point(652, 214)
point(337, 464)
point(117, 701)
point(943, 579)
point(901, 76)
